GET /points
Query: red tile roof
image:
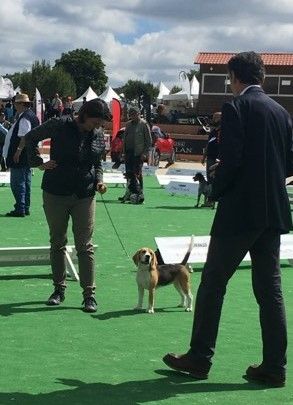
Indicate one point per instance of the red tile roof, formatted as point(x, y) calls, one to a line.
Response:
point(222, 58)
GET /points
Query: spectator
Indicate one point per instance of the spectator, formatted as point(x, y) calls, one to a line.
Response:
point(48, 110)
point(14, 152)
point(3, 121)
point(3, 133)
point(211, 151)
point(137, 141)
point(161, 117)
point(68, 107)
point(71, 178)
point(57, 106)
point(8, 111)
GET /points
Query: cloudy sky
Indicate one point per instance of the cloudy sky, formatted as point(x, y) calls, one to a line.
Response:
point(149, 40)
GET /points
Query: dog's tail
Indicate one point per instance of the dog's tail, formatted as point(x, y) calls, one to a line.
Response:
point(190, 247)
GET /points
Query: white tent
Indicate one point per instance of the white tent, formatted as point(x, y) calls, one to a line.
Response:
point(163, 91)
point(6, 88)
point(181, 95)
point(89, 94)
point(109, 94)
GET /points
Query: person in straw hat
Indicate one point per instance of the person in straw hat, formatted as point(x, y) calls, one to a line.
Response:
point(15, 155)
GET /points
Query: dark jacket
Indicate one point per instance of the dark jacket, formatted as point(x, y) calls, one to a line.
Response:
point(212, 148)
point(78, 157)
point(255, 153)
point(15, 140)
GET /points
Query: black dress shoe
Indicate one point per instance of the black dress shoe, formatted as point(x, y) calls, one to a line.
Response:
point(27, 213)
point(15, 214)
point(257, 373)
point(89, 304)
point(57, 297)
point(182, 362)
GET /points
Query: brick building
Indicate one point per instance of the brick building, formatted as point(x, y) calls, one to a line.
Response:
point(214, 83)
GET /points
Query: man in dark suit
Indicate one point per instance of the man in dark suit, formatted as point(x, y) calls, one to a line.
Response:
point(255, 155)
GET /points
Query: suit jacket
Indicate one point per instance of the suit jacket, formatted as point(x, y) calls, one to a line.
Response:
point(255, 154)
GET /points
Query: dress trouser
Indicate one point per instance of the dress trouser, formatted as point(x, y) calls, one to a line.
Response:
point(224, 256)
point(133, 168)
point(58, 210)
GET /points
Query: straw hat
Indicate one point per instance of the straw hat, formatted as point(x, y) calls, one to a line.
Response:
point(22, 98)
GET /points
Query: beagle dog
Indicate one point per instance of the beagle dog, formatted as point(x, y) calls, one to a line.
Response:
point(150, 275)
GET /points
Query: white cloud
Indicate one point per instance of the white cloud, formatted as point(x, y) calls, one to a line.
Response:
point(138, 39)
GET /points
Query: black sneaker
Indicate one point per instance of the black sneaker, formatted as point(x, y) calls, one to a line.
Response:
point(57, 297)
point(90, 304)
point(15, 214)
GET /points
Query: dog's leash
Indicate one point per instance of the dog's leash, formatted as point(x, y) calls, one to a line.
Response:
point(115, 229)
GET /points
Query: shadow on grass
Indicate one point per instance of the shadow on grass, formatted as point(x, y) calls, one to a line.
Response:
point(168, 207)
point(8, 277)
point(130, 312)
point(126, 393)
point(29, 307)
point(108, 201)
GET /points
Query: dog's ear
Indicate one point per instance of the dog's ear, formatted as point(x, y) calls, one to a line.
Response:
point(135, 257)
point(154, 261)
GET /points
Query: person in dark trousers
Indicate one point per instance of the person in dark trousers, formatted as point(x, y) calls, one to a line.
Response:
point(71, 178)
point(211, 151)
point(255, 154)
point(137, 142)
point(15, 156)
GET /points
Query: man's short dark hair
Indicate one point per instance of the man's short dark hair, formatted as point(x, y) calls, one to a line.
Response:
point(247, 67)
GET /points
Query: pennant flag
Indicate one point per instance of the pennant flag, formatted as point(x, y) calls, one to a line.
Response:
point(39, 106)
point(116, 113)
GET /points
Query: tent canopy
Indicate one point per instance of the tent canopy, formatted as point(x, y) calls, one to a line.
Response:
point(181, 95)
point(6, 88)
point(163, 91)
point(89, 94)
point(109, 94)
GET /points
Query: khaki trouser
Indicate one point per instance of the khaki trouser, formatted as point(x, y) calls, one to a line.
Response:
point(58, 210)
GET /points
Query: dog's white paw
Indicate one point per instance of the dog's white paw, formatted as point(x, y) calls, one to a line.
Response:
point(150, 311)
point(188, 309)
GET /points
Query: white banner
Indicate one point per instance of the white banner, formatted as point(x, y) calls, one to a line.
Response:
point(174, 248)
point(39, 106)
point(176, 187)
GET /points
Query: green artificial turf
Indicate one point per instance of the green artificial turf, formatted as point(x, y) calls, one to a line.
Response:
point(64, 356)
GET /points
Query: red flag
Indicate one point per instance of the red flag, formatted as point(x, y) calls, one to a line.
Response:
point(116, 113)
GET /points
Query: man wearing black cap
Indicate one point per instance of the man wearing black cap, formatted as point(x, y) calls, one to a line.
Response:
point(137, 141)
point(71, 177)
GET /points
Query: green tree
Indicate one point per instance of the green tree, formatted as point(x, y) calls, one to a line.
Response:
point(133, 88)
point(40, 70)
point(189, 75)
point(86, 68)
point(58, 81)
point(175, 89)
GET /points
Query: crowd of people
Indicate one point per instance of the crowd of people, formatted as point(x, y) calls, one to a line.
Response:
point(248, 156)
